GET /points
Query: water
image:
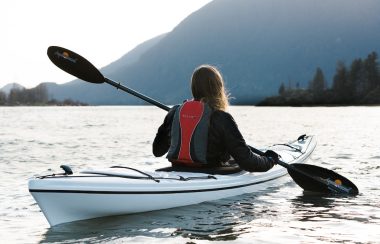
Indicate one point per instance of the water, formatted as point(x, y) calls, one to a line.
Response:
point(39, 139)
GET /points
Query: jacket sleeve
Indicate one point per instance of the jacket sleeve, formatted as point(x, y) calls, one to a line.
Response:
point(240, 151)
point(161, 142)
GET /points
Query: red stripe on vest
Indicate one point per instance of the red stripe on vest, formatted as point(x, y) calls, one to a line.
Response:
point(189, 117)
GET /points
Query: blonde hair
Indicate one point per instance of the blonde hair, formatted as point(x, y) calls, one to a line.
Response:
point(207, 85)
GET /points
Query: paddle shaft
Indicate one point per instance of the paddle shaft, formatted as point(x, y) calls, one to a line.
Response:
point(136, 94)
point(285, 165)
point(261, 153)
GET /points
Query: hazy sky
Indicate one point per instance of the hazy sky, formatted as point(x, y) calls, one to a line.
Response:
point(100, 30)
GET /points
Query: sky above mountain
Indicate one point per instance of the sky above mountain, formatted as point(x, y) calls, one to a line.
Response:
point(100, 30)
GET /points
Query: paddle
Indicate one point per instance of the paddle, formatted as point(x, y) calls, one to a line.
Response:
point(309, 177)
point(317, 179)
point(81, 68)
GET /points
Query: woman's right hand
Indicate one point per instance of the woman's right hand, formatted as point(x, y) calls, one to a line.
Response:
point(272, 155)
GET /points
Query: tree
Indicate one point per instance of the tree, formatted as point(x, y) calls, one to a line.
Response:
point(318, 85)
point(357, 80)
point(40, 94)
point(340, 83)
point(15, 96)
point(3, 98)
point(281, 90)
point(372, 71)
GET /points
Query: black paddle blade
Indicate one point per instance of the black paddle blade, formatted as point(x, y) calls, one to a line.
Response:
point(74, 64)
point(321, 180)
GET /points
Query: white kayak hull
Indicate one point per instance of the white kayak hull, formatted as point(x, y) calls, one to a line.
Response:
point(65, 206)
point(115, 191)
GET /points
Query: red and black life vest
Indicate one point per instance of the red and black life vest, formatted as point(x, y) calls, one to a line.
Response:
point(189, 134)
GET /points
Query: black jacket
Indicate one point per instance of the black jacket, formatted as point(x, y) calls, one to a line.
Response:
point(224, 141)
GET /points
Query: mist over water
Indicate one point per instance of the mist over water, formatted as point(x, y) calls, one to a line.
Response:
point(39, 139)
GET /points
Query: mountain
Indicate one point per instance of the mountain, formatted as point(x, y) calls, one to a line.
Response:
point(7, 88)
point(257, 44)
point(132, 56)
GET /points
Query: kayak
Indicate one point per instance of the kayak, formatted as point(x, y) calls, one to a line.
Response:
point(118, 190)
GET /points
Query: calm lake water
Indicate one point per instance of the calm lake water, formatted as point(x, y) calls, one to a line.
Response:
point(39, 139)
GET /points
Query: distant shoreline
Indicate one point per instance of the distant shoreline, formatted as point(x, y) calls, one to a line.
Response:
point(357, 84)
point(66, 102)
point(38, 96)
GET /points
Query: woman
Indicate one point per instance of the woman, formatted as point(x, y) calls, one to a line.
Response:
point(200, 133)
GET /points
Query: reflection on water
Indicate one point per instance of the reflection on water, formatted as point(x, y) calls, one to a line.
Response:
point(218, 220)
point(222, 220)
point(35, 140)
point(316, 207)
